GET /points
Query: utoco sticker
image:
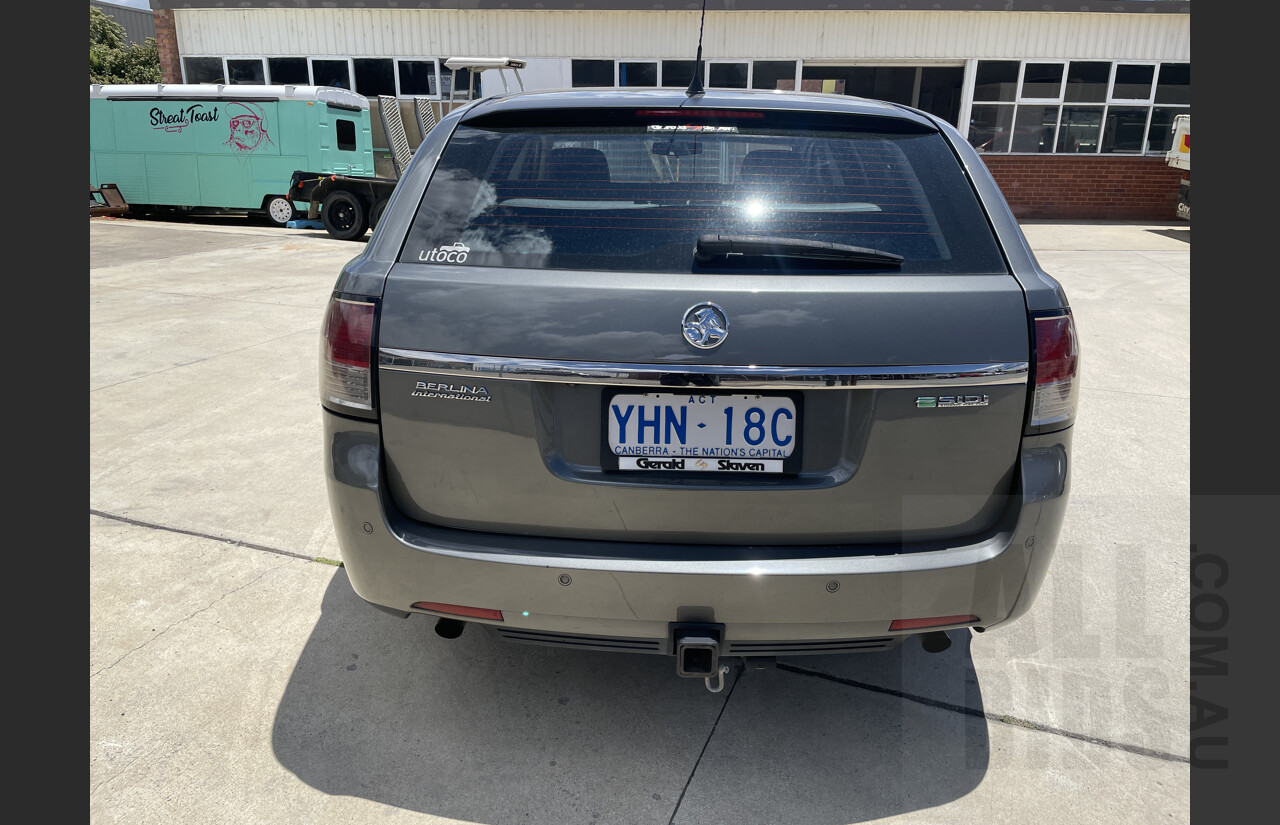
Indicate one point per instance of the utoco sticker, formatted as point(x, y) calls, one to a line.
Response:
point(452, 254)
point(458, 392)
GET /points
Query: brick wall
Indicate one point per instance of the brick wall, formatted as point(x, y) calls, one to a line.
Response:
point(1104, 187)
point(167, 45)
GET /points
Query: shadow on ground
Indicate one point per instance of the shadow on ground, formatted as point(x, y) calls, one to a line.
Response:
point(488, 731)
point(213, 218)
point(1183, 235)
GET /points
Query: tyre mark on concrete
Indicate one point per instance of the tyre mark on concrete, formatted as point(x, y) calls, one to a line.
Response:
point(993, 717)
point(183, 620)
point(737, 677)
point(235, 542)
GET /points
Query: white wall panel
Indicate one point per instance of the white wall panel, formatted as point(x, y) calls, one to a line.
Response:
point(838, 35)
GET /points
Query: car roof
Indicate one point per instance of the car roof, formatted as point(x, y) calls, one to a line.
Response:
point(582, 98)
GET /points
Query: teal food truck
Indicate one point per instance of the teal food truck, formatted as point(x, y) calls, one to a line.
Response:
point(223, 147)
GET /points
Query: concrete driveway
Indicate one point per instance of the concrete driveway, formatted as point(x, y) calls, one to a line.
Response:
point(235, 677)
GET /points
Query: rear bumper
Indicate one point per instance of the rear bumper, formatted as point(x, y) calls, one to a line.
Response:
point(623, 596)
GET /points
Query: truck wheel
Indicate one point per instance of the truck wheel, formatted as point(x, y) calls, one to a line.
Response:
point(343, 216)
point(375, 213)
point(280, 210)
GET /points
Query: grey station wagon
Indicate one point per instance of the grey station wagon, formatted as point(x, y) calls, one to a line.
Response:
point(737, 374)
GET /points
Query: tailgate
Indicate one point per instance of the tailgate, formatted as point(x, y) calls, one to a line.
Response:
point(537, 375)
point(495, 404)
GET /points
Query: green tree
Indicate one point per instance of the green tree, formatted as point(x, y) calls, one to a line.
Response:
point(114, 60)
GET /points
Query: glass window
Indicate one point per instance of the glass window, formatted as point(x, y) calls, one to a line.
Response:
point(1175, 83)
point(417, 77)
point(246, 72)
point(1125, 129)
point(727, 75)
point(637, 74)
point(203, 70)
point(288, 70)
point(1133, 82)
point(1034, 127)
point(334, 73)
point(592, 72)
point(1144, 100)
point(460, 76)
point(1080, 130)
point(773, 74)
point(895, 84)
point(1042, 80)
point(375, 76)
point(1160, 134)
point(832, 80)
point(346, 134)
point(598, 190)
point(1087, 81)
point(941, 88)
point(996, 80)
point(677, 72)
point(990, 127)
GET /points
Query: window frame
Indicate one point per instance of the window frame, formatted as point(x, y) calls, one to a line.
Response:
point(311, 68)
point(1105, 106)
point(221, 58)
point(656, 63)
point(226, 68)
point(1019, 97)
point(706, 72)
point(435, 71)
point(271, 81)
point(613, 63)
point(1134, 101)
point(395, 75)
point(797, 69)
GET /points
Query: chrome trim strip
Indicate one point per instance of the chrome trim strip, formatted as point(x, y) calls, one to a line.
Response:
point(489, 367)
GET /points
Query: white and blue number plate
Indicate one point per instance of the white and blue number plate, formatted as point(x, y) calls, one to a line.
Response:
point(694, 432)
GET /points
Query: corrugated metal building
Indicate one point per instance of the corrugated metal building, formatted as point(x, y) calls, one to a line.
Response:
point(1071, 102)
point(138, 24)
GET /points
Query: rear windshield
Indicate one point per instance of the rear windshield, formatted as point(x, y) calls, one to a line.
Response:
point(634, 190)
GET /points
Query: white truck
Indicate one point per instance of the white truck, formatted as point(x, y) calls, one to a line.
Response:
point(1179, 157)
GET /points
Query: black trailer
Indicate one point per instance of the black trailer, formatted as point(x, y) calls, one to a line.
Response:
point(349, 205)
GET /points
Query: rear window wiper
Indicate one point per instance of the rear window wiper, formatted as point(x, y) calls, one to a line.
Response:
point(714, 246)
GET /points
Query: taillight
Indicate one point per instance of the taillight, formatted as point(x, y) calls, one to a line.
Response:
point(1057, 383)
point(346, 368)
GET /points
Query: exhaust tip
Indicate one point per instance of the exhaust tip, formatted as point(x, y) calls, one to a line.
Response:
point(935, 642)
point(450, 628)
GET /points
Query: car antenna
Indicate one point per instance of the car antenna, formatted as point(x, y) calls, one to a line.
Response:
point(695, 85)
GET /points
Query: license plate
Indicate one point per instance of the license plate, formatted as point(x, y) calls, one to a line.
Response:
point(692, 432)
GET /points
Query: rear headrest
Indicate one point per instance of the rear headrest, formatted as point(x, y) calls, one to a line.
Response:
point(768, 165)
point(576, 163)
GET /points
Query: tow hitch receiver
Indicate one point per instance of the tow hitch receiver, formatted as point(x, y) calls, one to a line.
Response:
point(697, 649)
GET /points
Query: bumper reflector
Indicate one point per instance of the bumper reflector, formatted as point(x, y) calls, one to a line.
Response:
point(936, 621)
point(460, 610)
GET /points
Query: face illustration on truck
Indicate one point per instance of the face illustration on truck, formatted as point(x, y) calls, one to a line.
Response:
point(248, 127)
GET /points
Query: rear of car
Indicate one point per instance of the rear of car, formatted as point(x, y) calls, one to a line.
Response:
point(739, 374)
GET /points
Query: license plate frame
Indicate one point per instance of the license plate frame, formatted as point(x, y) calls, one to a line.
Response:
point(791, 464)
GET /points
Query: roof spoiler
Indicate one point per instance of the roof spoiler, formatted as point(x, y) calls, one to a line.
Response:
point(476, 65)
